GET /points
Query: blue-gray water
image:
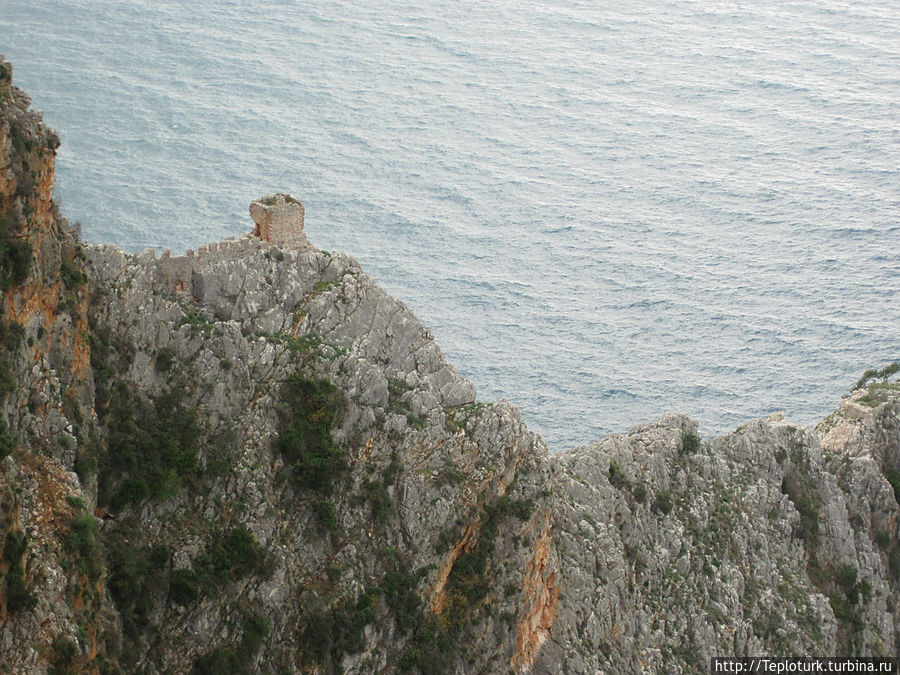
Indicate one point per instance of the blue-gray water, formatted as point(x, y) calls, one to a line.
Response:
point(604, 210)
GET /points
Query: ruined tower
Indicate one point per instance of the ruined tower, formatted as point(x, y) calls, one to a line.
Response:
point(279, 219)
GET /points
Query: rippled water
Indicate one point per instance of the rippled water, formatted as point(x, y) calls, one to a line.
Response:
point(605, 211)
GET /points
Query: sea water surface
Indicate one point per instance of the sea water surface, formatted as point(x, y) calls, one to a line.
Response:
point(605, 211)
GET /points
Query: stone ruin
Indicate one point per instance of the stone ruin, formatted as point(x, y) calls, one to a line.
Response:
point(279, 219)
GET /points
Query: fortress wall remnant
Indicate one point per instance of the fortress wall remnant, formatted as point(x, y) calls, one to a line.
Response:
point(176, 273)
point(278, 218)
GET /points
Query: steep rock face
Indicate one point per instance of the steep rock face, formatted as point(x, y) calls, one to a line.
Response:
point(48, 580)
point(675, 551)
point(434, 488)
point(252, 459)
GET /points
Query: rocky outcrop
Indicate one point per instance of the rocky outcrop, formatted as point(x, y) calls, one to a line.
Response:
point(252, 459)
point(752, 543)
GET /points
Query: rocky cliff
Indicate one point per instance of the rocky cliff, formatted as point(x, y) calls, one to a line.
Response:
point(252, 459)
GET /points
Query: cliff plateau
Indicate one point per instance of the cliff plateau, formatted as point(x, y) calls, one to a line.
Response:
point(252, 459)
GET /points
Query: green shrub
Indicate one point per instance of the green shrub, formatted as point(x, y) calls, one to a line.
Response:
point(134, 575)
point(84, 545)
point(398, 588)
point(520, 508)
point(15, 261)
point(411, 658)
point(331, 633)
point(151, 447)
point(639, 492)
point(165, 359)
point(874, 374)
point(662, 503)
point(450, 473)
point(893, 477)
point(617, 477)
point(18, 596)
point(7, 441)
point(15, 335)
point(325, 511)
point(690, 443)
point(8, 381)
point(183, 587)
point(239, 658)
point(310, 409)
point(802, 492)
point(71, 273)
point(380, 503)
point(232, 557)
point(65, 653)
point(75, 502)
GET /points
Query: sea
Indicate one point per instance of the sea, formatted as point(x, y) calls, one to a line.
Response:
point(605, 211)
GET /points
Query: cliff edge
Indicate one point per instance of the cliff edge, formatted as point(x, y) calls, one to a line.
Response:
point(250, 458)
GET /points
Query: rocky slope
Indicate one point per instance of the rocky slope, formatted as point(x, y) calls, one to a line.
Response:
point(251, 459)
